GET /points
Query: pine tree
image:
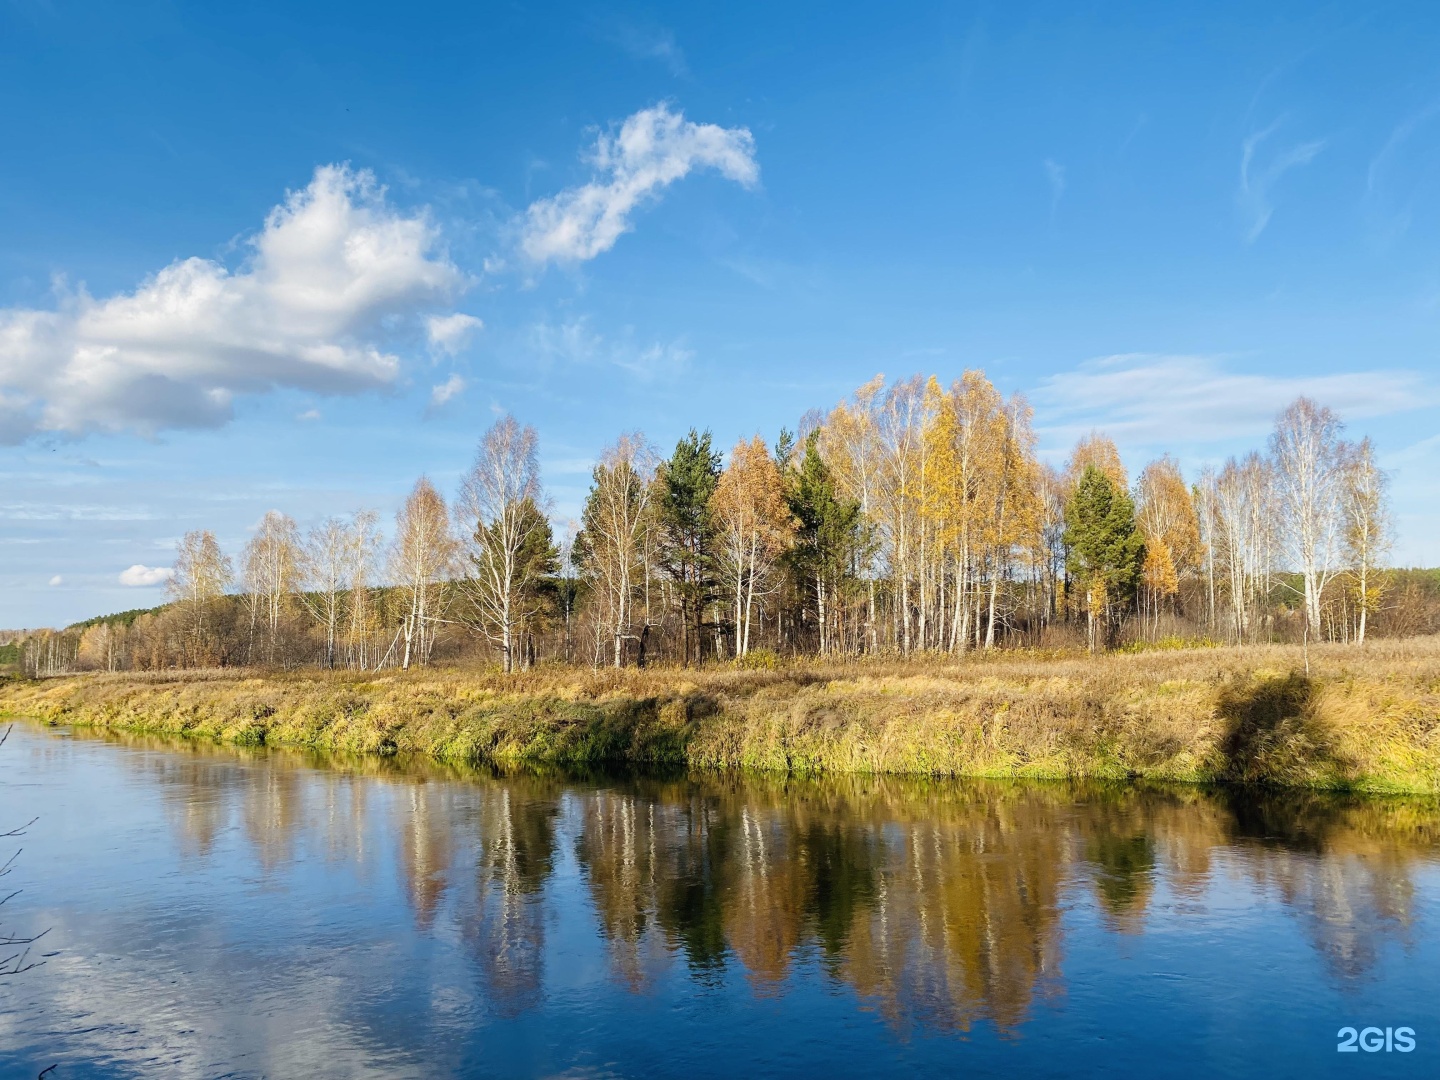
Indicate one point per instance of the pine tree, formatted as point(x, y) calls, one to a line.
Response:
point(686, 483)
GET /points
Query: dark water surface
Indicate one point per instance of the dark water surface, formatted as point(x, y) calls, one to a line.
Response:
point(223, 912)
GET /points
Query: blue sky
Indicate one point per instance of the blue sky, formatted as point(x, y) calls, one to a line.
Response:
point(236, 242)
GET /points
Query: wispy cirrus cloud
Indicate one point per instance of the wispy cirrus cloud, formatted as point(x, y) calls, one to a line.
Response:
point(646, 42)
point(54, 511)
point(574, 342)
point(1055, 175)
point(1399, 175)
point(652, 149)
point(313, 307)
point(1261, 170)
point(656, 361)
point(1150, 399)
point(570, 341)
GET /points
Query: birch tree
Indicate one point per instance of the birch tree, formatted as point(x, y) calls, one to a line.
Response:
point(1309, 461)
point(1052, 491)
point(966, 438)
point(1100, 451)
point(363, 553)
point(202, 574)
point(755, 527)
point(901, 420)
point(568, 570)
point(1015, 510)
point(850, 445)
point(1366, 529)
point(612, 543)
point(421, 557)
point(1244, 542)
point(327, 561)
point(1206, 521)
point(1166, 514)
point(272, 574)
point(506, 537)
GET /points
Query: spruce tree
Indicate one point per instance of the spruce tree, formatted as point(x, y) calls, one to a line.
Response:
point(1106, 549)
point(829, 535)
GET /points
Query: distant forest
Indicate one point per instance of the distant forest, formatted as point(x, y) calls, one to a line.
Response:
point(912, 517)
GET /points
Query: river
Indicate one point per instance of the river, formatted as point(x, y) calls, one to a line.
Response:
point(231, 912)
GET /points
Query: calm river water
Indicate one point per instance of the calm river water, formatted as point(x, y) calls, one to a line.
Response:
point(222, 912)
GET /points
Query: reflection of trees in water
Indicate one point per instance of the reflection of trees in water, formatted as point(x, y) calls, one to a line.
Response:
point(505, 929)
point(942, 920)
point(619, 847)
point(771, 880)
point(1349, 904)
point(427, 847)
point(200, 789)
point(690, 899)
point(272, 810)
point(965, 924)
point(1117, 842)
point(939, 902)
point(1343, 866)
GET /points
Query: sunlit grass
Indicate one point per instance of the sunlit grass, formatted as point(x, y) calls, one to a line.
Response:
point(1363, 719)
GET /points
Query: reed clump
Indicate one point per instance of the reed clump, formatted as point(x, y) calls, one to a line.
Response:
point(1361, 719)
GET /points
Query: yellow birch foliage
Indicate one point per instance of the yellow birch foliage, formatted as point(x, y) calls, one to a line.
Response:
point(1098, 450)
point(964, 447)
point(1159, 570)
point(756, 528)
point(1165, 512)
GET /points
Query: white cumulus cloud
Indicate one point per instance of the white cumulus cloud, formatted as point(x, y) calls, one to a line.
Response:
point(325, 282)
point(450, 388)
point(57, 580)
point(451, 333)
point(140, 575)
point(653, 148)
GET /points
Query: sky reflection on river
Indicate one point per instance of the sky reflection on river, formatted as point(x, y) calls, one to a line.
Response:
point(223, 912)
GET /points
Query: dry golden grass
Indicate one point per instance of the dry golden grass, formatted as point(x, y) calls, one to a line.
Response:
point(1364, 719)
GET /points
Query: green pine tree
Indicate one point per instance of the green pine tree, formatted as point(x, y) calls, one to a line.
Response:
point(686, 482)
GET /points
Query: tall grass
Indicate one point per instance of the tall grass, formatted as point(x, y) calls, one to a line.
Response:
point(1363, 719)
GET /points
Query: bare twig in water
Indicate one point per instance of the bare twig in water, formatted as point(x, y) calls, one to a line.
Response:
point(19, 962)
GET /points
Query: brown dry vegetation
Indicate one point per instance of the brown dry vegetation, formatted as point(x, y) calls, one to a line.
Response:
point(1365, 719)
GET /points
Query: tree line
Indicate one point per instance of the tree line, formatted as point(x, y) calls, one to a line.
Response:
point(912, 517)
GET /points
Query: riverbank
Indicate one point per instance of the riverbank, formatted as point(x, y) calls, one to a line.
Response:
point(1362, 720)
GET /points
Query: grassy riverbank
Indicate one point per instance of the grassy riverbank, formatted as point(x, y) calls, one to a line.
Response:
point(1364, 719)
